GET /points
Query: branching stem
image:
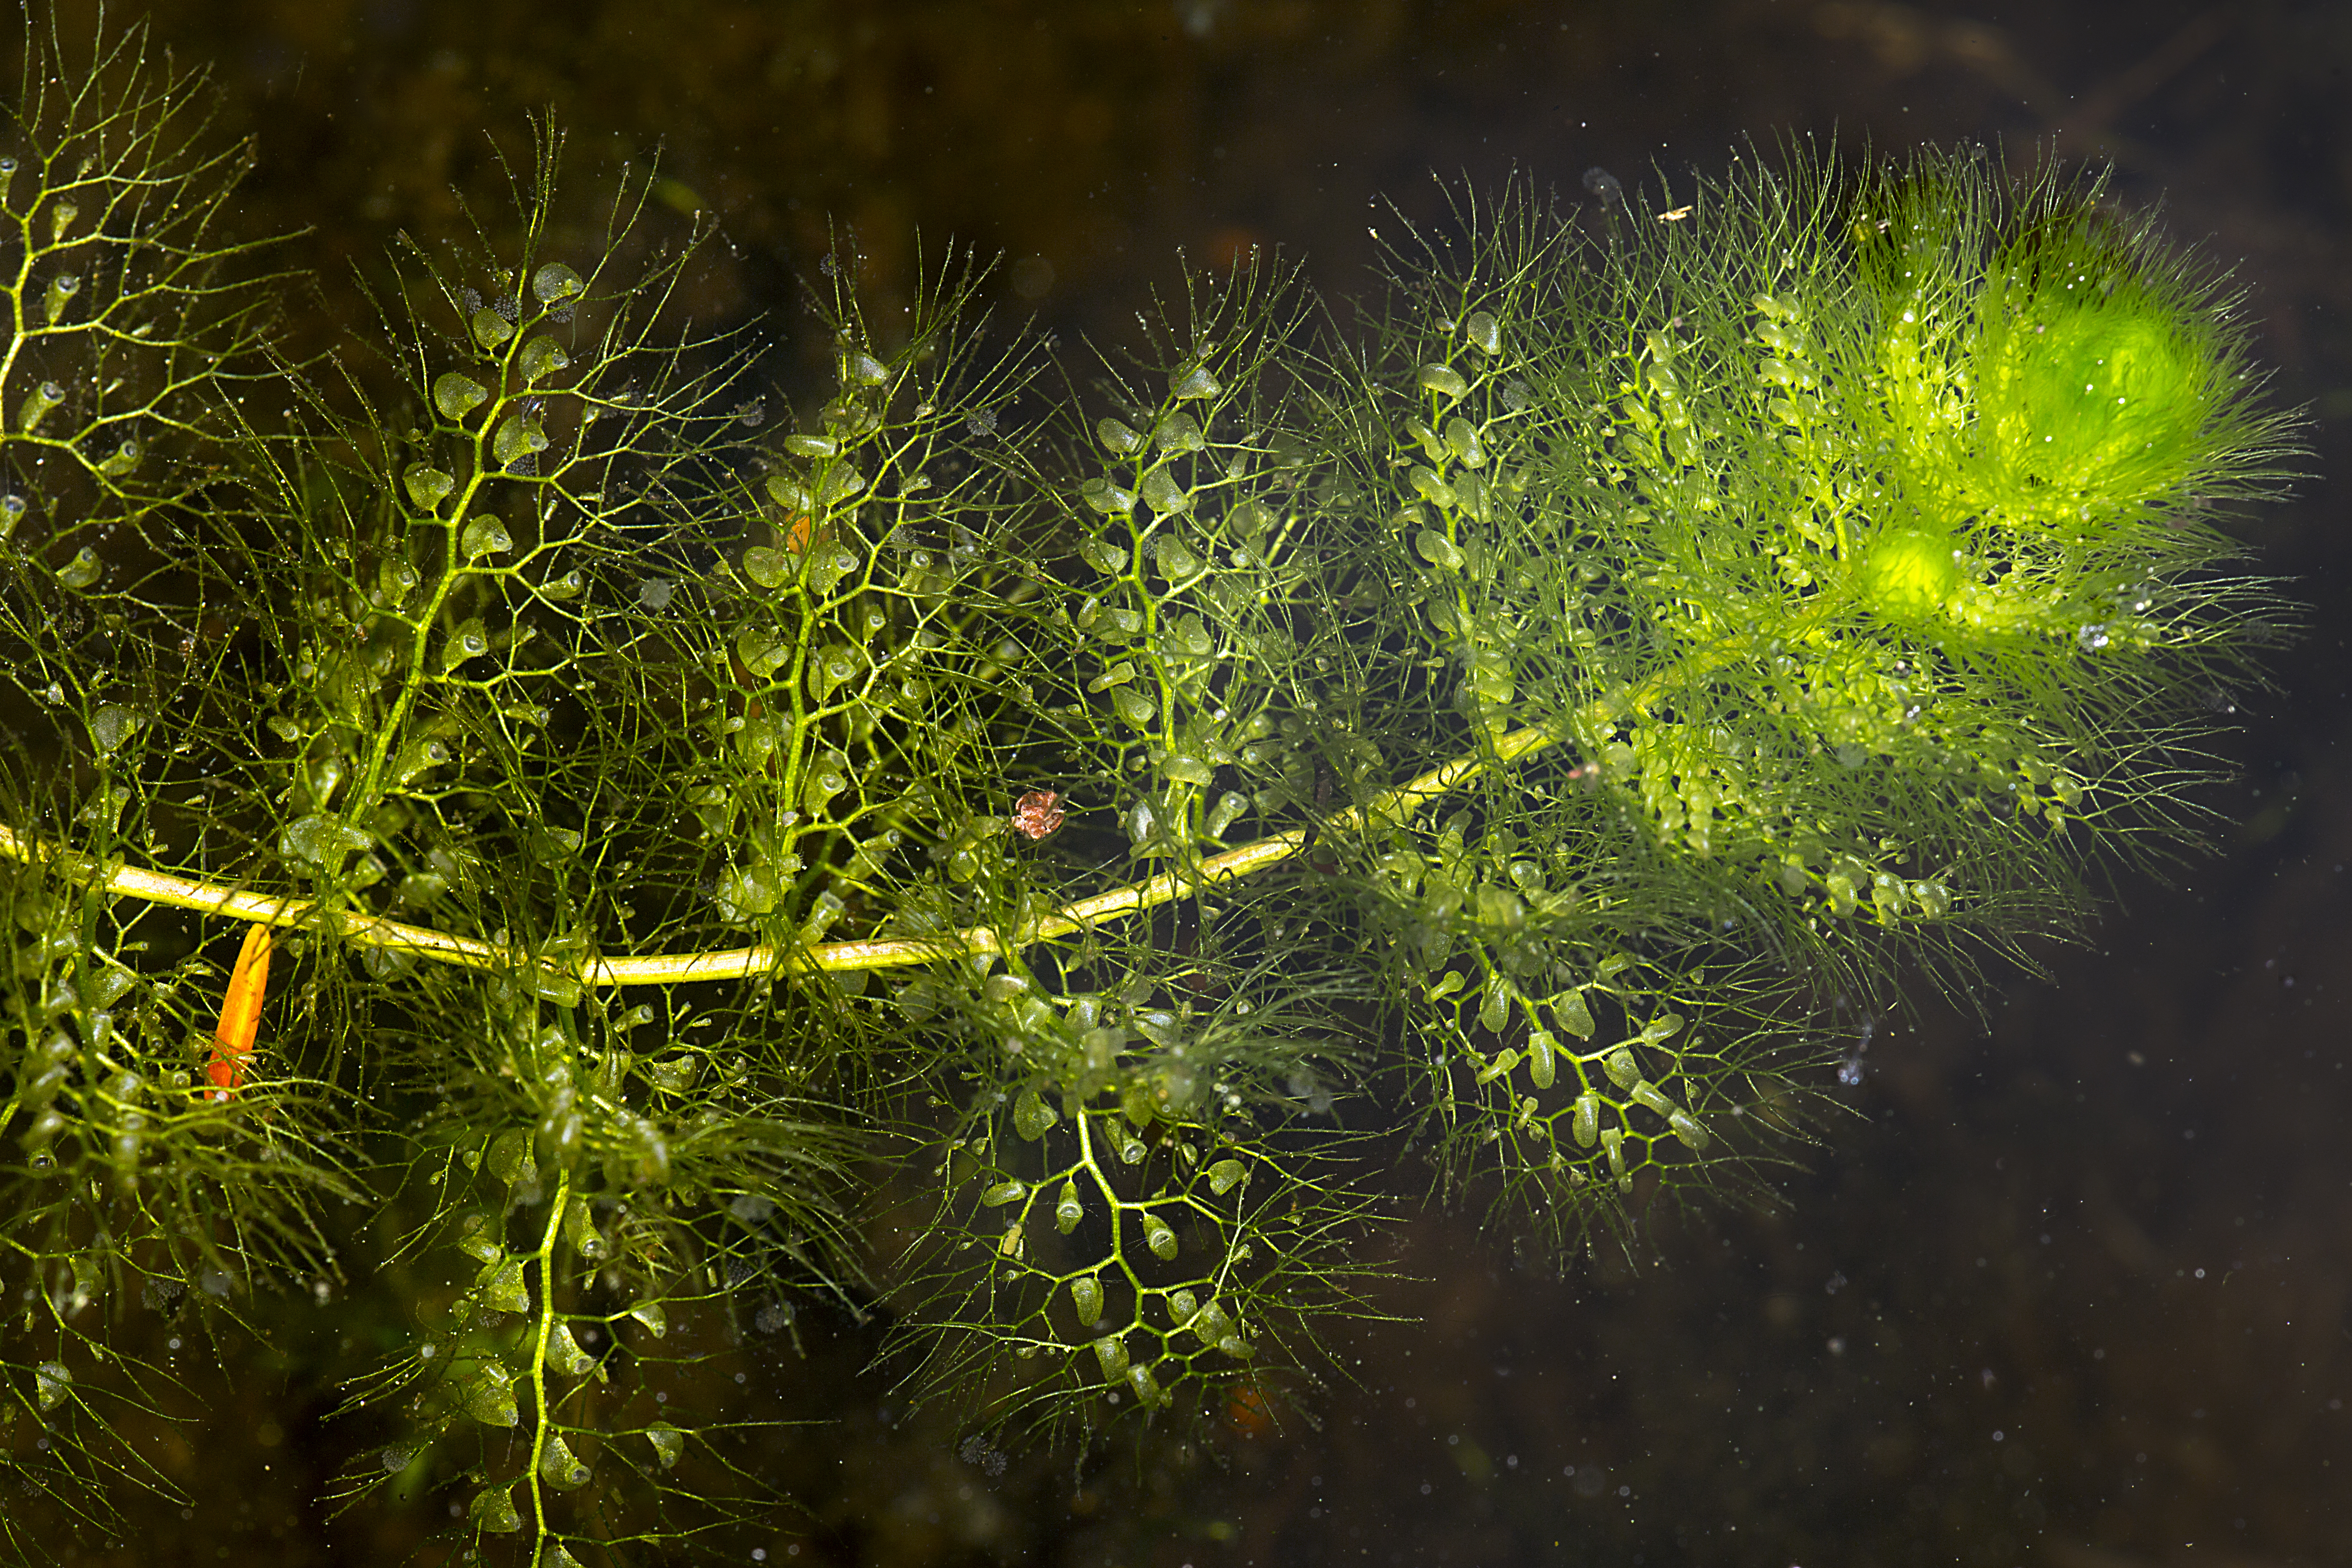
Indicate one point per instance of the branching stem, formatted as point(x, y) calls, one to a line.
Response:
point(544, 1416)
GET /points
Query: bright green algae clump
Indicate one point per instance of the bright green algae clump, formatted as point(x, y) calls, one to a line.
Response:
point(2096, 385)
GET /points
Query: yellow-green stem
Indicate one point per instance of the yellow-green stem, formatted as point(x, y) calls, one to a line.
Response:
point(741, 962)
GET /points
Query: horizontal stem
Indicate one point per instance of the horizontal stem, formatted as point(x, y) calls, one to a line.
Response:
point(742, 963)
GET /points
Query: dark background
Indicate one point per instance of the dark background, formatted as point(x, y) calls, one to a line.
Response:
point(2073, 1286)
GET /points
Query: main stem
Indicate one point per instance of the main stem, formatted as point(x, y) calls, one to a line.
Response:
point(742, 963)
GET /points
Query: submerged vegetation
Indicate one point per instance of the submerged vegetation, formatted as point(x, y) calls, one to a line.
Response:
point(1108, 814)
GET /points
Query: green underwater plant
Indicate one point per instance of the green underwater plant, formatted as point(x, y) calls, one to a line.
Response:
point(1106, 816)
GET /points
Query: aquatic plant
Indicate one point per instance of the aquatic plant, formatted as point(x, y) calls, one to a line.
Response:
point(1105, 816)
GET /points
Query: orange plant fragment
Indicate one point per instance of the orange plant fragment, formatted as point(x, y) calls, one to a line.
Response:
point(240, 1018)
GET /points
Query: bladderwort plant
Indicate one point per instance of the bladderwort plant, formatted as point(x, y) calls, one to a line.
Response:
point(1497, 721)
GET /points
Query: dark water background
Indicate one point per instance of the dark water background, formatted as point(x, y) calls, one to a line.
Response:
point(2074, 1286)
